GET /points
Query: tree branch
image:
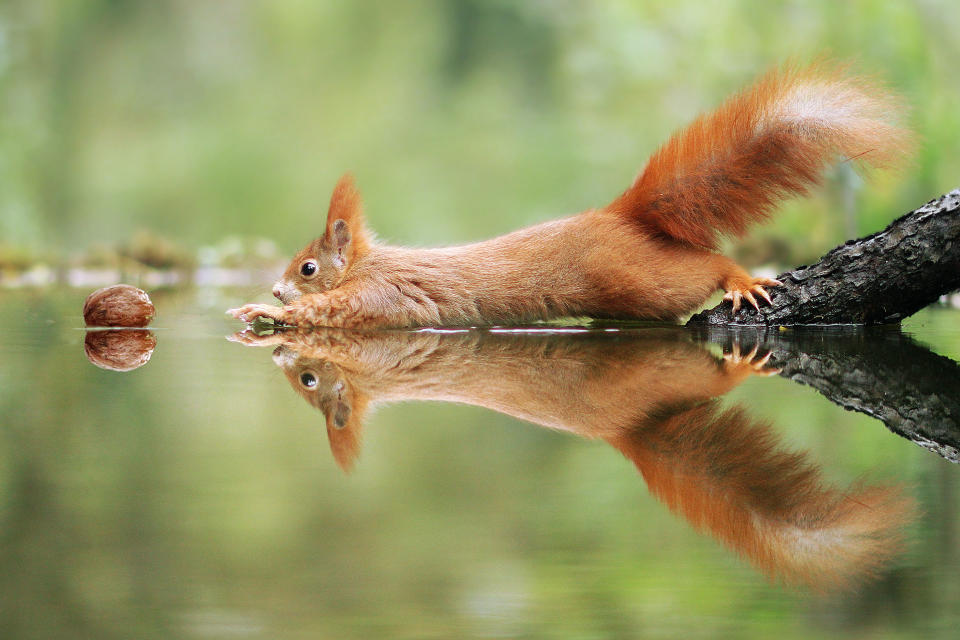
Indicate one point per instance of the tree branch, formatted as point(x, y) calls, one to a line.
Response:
point(880, 279)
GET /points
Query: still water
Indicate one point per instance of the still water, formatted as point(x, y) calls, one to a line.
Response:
point(613, 483)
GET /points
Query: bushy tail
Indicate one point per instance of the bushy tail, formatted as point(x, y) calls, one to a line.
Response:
point(730, 477)
point(729, 168)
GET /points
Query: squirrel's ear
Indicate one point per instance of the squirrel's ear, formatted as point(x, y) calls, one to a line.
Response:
point(339, 414)
point(344, 425)
point(345, 226)
point(345, 204)
point(340, 233)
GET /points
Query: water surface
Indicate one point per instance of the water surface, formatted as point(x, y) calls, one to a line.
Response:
point(601, 484)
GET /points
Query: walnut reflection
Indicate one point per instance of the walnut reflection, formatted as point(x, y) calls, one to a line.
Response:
point(653, 398)
point(119, 349)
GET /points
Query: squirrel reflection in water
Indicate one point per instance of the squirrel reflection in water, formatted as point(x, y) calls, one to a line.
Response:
point(652, 397)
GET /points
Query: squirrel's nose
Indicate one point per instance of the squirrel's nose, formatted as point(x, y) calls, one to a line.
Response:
point(276, 291)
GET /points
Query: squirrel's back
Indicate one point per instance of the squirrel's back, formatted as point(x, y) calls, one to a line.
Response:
point(730, 167)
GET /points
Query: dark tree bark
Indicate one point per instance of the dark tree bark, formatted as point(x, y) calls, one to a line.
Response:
point(878, 371)
point(879, 279)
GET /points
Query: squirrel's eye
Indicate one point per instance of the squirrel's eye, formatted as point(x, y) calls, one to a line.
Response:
point(308, 380)
point(308, 268)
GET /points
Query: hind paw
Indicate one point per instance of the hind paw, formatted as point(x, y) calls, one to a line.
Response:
point(749, 290)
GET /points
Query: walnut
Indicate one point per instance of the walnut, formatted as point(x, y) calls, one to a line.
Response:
point(121, 305)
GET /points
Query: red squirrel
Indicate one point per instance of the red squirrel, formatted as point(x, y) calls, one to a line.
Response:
point(648, 255)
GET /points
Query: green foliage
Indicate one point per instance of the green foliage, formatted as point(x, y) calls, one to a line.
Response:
point(461, 120)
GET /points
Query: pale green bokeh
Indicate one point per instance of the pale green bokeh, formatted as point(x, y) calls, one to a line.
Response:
point(461, 120)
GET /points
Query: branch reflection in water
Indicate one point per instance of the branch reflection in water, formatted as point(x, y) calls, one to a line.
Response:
point(653, 396)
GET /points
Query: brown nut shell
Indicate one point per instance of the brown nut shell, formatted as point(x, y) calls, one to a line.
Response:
point(121, 305)
point(119, 349)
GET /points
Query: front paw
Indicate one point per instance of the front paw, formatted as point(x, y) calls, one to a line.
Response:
point(250, 312)
point(249, 338)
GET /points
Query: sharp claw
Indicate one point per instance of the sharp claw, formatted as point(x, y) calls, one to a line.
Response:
point(751, 300)
point(736, 300)
point(759, 364)
point(750, 360)
point(763, 293)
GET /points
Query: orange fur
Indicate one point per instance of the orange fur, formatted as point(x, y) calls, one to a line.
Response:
point(650, 397)
point(728, 475)
point(729, 168)
point(645, 256)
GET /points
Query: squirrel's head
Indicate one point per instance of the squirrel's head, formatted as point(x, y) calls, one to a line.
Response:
point(327, 388)
point(324, 263)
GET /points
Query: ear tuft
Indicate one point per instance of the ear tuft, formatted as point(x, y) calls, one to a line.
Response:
point(344, 203)
point(345, 427)
point(346, 232)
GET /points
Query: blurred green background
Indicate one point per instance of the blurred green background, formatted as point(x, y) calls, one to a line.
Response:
point(196, 496)
point(461, 120)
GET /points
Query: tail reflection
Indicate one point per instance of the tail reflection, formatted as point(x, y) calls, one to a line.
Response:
point(652, 397)
point(729, 476)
